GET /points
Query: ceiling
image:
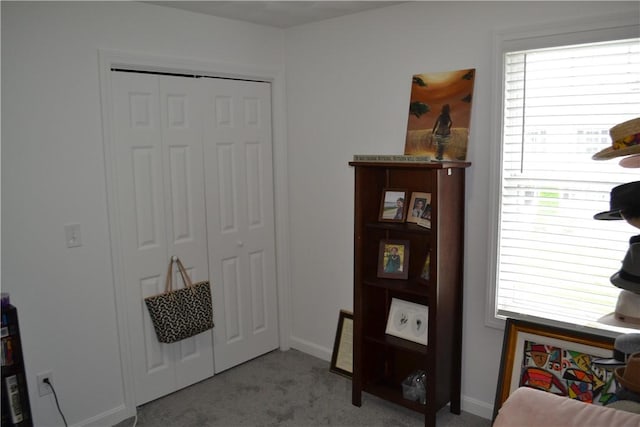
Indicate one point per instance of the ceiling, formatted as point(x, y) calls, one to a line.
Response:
point(281, 14)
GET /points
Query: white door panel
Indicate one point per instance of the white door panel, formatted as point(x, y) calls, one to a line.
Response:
point(241, 235)
point(138, 147)
point(158, 146)
point(181, 108)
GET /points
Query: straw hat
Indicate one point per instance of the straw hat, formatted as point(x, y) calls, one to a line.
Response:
point(629, 376)
point(632, 161)
point(625, 140)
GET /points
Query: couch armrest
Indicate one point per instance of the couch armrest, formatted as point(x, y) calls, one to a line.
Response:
point(527, 407)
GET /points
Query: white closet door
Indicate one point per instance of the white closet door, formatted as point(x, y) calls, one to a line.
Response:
point(181, 107)
point(160, 189)
point(240, 219)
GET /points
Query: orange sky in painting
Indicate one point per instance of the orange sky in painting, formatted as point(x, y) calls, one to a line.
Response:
point(442, 88)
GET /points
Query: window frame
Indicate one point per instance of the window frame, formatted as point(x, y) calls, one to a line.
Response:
point(555, 34)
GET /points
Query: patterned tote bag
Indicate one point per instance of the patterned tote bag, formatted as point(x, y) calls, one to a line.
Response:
point(177, 314)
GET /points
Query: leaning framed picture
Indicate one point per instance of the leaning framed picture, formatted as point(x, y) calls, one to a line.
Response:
point(393, 205)
point(393, 259)
point(419, 203)
point(408, 320)
point(555, 360)
point(342, 358)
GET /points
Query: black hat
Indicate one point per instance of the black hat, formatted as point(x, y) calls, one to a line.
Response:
point(628, 277)
point(623, 346)
point(625, 199)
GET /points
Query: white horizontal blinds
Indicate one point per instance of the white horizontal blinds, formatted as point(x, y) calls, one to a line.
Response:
point(555, 260)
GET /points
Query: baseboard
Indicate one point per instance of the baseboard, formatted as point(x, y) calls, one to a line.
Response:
point(476, 407)
point(311, 348)
point(108, 418)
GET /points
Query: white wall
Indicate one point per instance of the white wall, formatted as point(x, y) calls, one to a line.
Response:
point(348, 82)
point(53, 173)
point(348, 85)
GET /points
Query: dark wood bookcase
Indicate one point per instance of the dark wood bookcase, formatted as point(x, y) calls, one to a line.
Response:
point(382, 361)
point(16, 410)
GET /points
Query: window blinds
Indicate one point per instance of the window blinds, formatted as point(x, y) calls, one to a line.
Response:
point(554, 259)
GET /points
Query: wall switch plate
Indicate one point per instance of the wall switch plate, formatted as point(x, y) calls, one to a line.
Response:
point(44, 388)
point(72, 235)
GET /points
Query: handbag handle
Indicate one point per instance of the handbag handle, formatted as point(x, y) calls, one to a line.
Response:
point(183, 272)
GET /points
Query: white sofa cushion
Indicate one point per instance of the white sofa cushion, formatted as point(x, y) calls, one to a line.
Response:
point(527, 407)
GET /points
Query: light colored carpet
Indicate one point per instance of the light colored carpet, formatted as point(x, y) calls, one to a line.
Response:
point(282, 389)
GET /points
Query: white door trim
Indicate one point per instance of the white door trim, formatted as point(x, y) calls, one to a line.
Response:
point(109, 59)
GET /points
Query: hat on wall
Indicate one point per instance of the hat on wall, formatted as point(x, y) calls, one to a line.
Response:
point(628, 277)
point(624, 199)
point(623, 347)
point(625, 139)
point(627, 312)
point(629, 376)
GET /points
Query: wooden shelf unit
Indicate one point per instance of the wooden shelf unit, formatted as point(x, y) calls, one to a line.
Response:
point(381, 362)
point(15, 393)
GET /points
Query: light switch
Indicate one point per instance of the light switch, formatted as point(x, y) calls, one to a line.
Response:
point(72, 235)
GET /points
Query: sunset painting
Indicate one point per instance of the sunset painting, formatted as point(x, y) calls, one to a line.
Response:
point(440, 114)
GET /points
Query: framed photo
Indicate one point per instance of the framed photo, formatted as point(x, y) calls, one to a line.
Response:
point(342, 358)
point(393, 206)
point(424, 273)
point(393, 259)
point(555, 360)
point(425, 217)
point(419, 203)
point(408, 320)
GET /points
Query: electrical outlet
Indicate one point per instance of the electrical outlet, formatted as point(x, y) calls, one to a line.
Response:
point(44, 388)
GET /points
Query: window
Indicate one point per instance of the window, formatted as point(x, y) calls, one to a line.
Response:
point(552, 259)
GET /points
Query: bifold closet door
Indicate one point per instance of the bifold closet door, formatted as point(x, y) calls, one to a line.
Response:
point(158, 122)
point(240, 219)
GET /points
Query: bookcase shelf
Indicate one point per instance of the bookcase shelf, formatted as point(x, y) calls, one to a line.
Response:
point(416, 287)
point(399, 343)
point(381, 361)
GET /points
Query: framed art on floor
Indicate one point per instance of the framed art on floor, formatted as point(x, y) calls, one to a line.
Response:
point(342, 358)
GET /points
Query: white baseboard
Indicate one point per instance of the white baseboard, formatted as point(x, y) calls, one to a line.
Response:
point(476, 407)
point(108, 418)
point(311, 348)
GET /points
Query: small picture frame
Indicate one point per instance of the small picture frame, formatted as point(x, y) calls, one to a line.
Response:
point(555, 360)
point(342, 358)
point(425, 218)
point(393, 206)
point(419, 203)
point(424, 273)
point(393, 259)
point(408, 320)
